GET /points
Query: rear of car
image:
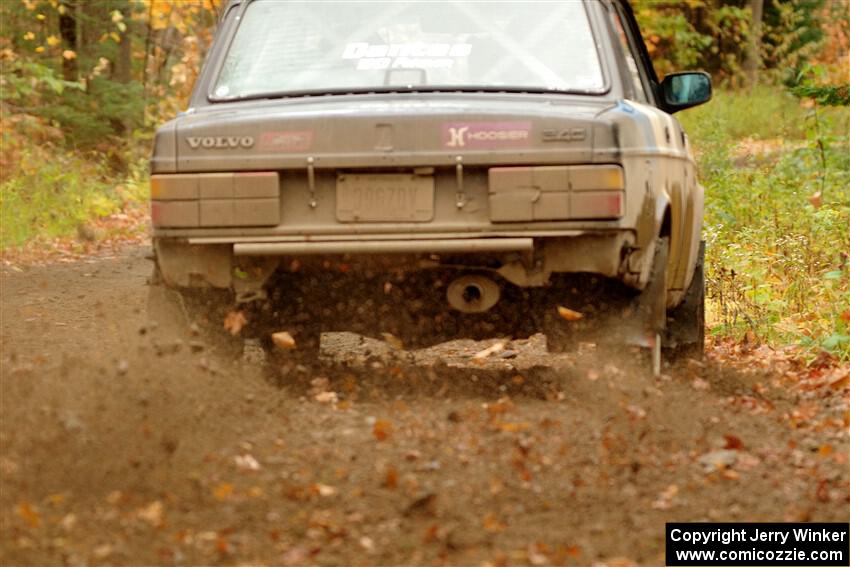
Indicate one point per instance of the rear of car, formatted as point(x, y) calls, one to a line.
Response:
point(459, 168)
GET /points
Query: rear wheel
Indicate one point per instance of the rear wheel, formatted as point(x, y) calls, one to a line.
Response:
point(685, 334)
point(613, 316)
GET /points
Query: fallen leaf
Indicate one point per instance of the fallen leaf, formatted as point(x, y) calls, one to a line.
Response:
point(492, 349)
point(326, 397)
point(318, 385)
point(283, 340)
point(433, 534)
point(822, 492)
point(718, 460)
point(323, 490)
point(536, 554)
point(816, 199)
point(102, 551)
point(382, 429)
point(746, 462)
point(393, 341)
point(733, 443)
point(223, 491)
point(247, 463)
point(509, 427)
point(222, 545)
point(391, 478)
point(635, 411)
point(840, 382)
point(492, 524)
point(573, 551)
point(68, 522)
point(295, 556)
point(616, 562)
point(664, 500)
point(234, 321)
point(152, 513)
point(115, 497)
point(56, 499)
point(28, 514)
point(568, 314)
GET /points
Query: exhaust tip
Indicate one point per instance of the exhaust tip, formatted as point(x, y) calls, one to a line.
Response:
point(473, 294)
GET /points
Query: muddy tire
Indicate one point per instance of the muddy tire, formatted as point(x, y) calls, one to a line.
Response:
point(651, 305)
point(620, 318)
point(685, 333)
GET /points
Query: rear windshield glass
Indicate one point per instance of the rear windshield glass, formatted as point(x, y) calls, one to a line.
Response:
point(282, 46)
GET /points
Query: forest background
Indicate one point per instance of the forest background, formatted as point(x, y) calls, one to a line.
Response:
point(85, 82)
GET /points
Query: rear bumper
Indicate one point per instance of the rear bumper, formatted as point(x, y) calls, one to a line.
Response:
point(523, 259)
point(418, 246)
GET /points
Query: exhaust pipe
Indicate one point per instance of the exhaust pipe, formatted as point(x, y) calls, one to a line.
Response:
point(473, 294)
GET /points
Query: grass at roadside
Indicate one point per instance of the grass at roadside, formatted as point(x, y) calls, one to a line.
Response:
point(777, 179)
point(48, 191)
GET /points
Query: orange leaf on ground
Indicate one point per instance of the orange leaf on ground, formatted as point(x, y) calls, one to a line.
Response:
point(382, 429)
point(391, 478)
point(29, 515)
point(493, 525)
point(234, 321)
point(223, 491)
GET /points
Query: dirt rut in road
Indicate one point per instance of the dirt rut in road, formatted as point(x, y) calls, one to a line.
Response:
point(118, 450)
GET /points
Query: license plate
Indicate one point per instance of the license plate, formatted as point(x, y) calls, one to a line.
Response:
point(384, 197)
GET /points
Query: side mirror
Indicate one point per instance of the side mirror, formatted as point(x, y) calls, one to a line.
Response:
point(684, 90)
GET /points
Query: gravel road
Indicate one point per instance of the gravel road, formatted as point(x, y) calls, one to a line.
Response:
point(117, 451)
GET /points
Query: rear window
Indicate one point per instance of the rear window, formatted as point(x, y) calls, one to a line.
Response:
point(289, 47)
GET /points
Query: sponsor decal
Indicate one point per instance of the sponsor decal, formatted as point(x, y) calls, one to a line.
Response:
point(564, 134)
point(475, 135)
point(286, 141)
point(418, 55)
point(220, 142)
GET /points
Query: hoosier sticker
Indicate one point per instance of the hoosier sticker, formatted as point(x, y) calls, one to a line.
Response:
point(486, 135)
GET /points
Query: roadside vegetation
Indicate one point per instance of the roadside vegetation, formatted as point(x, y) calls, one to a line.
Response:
point(777, 176)
point(85, 83)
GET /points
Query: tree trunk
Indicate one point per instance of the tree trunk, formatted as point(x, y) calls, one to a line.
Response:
point(753, 60)
point(123, 63)
point(123, 69)
point(68, 32)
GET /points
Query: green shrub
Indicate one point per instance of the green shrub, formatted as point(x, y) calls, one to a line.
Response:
point(777, 179)
point(53, 193)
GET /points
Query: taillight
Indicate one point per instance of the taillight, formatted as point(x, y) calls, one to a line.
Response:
point(215, 199)
point(558, 192)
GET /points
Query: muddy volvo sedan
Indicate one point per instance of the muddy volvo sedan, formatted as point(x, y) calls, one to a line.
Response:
point(433, 170)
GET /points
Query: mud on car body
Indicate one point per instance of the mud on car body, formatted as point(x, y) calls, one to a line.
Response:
point(433, 170)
